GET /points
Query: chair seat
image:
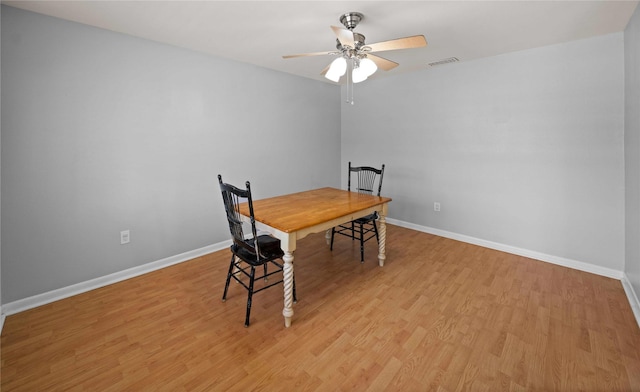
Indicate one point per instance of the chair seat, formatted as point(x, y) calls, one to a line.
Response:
point(367, 218)
point(269, 250)
point(270, 246)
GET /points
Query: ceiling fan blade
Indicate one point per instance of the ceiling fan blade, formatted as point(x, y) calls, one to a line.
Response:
point(415, 41)
point(382, 62)
point(290, 56)
point(325, 70)
point(344, 36)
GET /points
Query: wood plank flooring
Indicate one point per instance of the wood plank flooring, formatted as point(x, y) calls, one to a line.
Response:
point(441, 315)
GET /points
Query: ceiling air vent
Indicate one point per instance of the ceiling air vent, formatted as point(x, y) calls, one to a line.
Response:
point(445, 61)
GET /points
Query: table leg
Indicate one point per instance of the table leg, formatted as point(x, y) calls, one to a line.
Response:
point(382, 233)
point(327, 236)
point(287, 312)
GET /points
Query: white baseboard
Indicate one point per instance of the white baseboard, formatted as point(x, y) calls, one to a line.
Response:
point(1, 320)
point(578, 265)
point(632, 296)
point(79, 288)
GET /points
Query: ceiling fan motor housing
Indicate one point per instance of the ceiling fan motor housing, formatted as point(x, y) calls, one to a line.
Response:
point(358, 40)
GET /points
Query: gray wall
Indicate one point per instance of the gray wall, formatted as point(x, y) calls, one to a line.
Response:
point(103, 132)
point(632, 149)
point(523, 149)
point(1, 313)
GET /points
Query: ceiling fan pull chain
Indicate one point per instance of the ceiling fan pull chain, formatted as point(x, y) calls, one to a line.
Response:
point(350, 84)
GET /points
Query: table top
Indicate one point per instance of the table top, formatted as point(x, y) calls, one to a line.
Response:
point(297, 211)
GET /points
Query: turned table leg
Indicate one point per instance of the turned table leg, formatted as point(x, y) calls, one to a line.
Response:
point(287, 312)
point(382, 233)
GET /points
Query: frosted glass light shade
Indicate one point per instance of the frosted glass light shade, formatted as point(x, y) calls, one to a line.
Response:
point(358, 75)
point(334, 77)
point(368, 66)
point(337, 68)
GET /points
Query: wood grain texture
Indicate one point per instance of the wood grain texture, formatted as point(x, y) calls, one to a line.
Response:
point(441, 315)
point(296, 211)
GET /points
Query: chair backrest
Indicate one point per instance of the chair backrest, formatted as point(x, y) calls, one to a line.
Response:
point(232, 198)
point(366, 178)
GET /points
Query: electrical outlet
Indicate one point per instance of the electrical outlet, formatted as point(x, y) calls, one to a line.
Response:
point(436, 206)
point(125, 237)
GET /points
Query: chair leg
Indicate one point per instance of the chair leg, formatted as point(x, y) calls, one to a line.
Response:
point(295, 297)
point(333, 233)
point(361, 244)
point(353, 231)
point(226, 285)
point(375, 228)
point(250, 295)
point(266, 279)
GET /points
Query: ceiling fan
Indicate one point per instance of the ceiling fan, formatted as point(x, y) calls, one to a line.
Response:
point(355, 54)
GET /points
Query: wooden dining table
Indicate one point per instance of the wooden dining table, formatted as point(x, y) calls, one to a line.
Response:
point(293, 216)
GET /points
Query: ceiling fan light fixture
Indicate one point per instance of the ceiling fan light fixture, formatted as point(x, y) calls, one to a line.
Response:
point(359, 75)
point(337, 68)
point(368, 66)
point(332, 77)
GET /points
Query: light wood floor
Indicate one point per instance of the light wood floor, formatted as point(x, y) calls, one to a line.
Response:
point(440, 315)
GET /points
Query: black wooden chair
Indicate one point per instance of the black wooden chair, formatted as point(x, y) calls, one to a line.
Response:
point(253, 250)
point(365, 228)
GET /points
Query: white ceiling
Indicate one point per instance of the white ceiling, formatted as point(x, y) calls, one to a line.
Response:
point(261, 32)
